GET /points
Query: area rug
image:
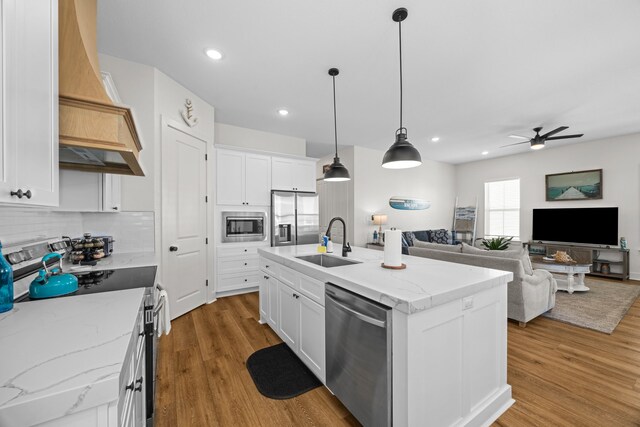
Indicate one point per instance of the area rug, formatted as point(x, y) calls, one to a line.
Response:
point(279, 374)
point(600, 309)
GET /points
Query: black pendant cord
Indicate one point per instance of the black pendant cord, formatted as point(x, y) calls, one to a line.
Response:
point(335, 116)
point(400, 42)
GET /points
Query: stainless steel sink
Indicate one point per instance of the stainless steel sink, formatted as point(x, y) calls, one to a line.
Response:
point(327, 261)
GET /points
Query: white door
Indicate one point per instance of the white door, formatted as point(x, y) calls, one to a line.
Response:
point(184, 227)
point(288, 316)
point(312, 346)
point(36, 118)
point(111, 192)
point(264, 298)
point(257, 180)
point(272, 284)
point(281, 174)
point(230, 177)
point(303, 175)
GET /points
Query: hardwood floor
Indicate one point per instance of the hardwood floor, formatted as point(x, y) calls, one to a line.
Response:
point(561, 375)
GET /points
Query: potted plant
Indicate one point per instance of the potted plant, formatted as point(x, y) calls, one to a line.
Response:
point(497, 243)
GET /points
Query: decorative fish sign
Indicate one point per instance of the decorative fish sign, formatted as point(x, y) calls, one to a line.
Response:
point(407, 204)
point(187, 114)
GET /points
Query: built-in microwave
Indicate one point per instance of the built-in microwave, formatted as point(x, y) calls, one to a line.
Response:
point(244, 227)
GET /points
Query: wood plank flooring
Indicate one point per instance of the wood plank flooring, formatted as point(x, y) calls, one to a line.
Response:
point(561, 375)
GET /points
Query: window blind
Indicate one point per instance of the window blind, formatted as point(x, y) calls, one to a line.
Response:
point(502, 208)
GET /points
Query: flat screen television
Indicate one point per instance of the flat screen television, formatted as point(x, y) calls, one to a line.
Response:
point(595, 226)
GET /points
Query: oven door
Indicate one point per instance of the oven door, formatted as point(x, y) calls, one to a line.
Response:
point(244, 226)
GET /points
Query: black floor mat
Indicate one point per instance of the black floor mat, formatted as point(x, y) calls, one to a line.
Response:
point(279, 374)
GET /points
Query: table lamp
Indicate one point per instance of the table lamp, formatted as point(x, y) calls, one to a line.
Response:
point(379, 219)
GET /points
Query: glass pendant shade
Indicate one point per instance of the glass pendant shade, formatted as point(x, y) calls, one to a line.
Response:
point(337, 172)
point(537, 145)
point(402, 154)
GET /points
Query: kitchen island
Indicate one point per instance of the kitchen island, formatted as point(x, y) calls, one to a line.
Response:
point(67, 361)
point(449, 328)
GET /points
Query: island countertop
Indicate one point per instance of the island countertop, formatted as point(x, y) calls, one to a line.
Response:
point(425, 283)
point(64, 355)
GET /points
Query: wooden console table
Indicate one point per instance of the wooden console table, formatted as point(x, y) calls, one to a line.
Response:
point(616, 258)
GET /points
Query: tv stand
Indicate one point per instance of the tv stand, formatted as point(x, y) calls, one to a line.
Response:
point(613, 258)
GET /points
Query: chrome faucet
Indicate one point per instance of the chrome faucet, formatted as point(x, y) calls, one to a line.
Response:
point(345, 245)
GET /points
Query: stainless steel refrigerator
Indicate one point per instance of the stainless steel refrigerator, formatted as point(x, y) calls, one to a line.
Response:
point(295, 218)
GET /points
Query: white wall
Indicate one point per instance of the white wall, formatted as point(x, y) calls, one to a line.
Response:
point(135, 84)
point(375, 185)
point(618, 157)
point(372, 186)
point(259, 140)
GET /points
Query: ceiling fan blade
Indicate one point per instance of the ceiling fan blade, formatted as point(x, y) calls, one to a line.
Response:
point(553, 132)
point(517, 143)
point(565, 137)
point(519, 136)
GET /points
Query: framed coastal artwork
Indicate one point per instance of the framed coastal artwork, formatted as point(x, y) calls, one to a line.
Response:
point(580, 185)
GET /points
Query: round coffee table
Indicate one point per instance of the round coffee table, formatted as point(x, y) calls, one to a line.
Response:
point(575, 273)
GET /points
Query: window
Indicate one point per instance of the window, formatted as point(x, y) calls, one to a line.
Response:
point(502, 208)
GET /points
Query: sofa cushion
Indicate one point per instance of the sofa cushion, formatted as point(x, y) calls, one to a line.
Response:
point(422, 235)
point(409, 237)
point(438, 246)
point(518, 253)
point(440, 236)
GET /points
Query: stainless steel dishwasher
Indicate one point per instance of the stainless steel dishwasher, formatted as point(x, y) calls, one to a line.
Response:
point(358, 355)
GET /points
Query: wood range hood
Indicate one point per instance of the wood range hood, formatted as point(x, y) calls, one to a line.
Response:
point(96, 135)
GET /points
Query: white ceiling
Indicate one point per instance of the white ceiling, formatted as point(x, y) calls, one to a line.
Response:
point(475, 71)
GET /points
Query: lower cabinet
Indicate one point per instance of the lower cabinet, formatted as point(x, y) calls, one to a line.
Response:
point(289, 315)
point(237, 269)
point(295, 317)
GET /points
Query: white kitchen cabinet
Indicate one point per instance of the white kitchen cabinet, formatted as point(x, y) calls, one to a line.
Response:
point(111, 193)
point(237, 269)
point(274, 305)
point(243, 178)
point(89, 192)
point(312, 345)
point(230, 177)
point(263, 292)
point(29, 106)
point(289, 316)
point(293, 174)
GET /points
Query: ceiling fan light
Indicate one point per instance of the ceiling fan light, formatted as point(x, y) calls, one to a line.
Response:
point(537, 145)
point(337, 172)
point(401, 155)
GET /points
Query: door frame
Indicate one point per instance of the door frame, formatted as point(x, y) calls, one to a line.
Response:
point(167, 123)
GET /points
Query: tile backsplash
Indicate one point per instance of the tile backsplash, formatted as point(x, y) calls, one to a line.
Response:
point(132, 231)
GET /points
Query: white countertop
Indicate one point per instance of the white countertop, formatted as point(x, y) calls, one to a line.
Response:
point(423, 284)
point(63, 355)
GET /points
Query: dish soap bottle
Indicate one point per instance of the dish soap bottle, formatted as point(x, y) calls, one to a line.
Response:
point(6, 284)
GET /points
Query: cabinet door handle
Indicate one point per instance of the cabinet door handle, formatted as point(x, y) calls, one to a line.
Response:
point(173, 248)
point(21, 193)
point(139, 384)
point(115, 208)
point(245, 263)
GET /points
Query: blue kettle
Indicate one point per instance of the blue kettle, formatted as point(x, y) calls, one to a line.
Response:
point(52, 282)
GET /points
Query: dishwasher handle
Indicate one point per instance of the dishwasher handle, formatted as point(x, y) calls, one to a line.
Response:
point(363, 317)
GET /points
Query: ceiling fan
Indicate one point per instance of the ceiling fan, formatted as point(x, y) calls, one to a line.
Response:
point(537, 142)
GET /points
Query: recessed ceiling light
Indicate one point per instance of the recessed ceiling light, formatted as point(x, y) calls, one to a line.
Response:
point(213, 54)
point(484, 153)
point(435, 139)
point(283, 112)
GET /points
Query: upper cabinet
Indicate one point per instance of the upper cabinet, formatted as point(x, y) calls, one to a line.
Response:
point(243, 178)
point(29, 102)
point(89, 192)
point(293, 174)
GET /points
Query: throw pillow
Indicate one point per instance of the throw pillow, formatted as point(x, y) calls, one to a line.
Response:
point(422, 235)
point(468, 249)
point(526, 263)
point(408, 235)
point(437, 246)
point(440, 236)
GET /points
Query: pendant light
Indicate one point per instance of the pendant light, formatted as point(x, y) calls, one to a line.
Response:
point(337, 171)
point(401, 154)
